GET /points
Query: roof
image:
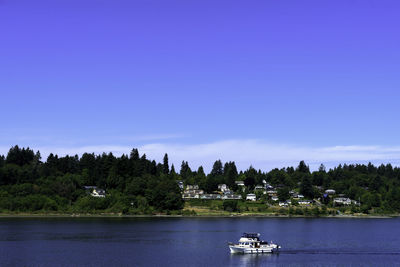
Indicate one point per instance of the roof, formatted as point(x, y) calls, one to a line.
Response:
point(251, 235)
point(86, 187)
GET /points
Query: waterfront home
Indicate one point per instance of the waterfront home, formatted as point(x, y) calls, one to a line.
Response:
point(97, 192)
point(232, 196)
point(227, 192)
point(192, 191)
point(89, 188)
point(274, 198)
point(305, 202)
point(239, 183)
point(251, 197)
point(259, 187)
point(210, 196)
point(192, 187)
point(269, 187)
point(222, 187)
point(299, 196)
point(180, 184)
point(283, 204)
point(190, 196)
point(330, 192)
point(342, 201)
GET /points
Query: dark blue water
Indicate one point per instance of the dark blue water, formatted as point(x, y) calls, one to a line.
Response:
point(196, 241)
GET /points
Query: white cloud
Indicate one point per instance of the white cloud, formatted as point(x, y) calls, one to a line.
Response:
point(260, 154)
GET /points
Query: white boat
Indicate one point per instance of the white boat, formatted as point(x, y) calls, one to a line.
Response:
point(251, 243)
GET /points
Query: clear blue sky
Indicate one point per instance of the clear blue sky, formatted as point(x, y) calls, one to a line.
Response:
point(201, 78)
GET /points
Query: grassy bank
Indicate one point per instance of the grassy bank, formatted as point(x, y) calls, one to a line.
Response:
point(245, 208)
point(216, 208)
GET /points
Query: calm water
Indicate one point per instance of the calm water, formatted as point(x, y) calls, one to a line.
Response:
point(196, 241)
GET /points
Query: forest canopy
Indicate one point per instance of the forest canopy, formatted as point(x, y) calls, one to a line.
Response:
point(137, 185)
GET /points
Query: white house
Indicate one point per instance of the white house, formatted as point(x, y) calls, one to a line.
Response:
point(305, 202)
point(231, 196)
point(330, 192)
point(192, 187)
point(97, 192)
point(272, 192)
point(222, 187)
point(251, 197)
point(283, 204)
point(239, 183)
point(210, 196)
point(342, 201)
point(274, 198)
point(299, 196)
point(259, 187)
point(180, 184)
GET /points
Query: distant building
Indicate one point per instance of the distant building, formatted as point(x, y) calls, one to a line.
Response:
point(97, 192)
point(222, 187)
point(232, 196)
point(190, 196)
point(299, 196)
point(269, 187)
point(210, 196)
point(304, 202)
point(274, 198)
point(227, 192)
point(94, 191)
point(283, 204)
point(192, 191)
point(259, 187)
point(239, 183)
point(89, 187)
point(192, 187)
point(342, 201)
point(330, 192)
point(251, 197)
point(180, 184)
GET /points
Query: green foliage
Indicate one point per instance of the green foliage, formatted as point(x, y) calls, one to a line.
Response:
point(136, 185)
point(283, 194)
point(306, 187)
point(230, 205)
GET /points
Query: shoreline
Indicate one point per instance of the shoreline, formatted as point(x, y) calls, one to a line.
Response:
point(66, 215)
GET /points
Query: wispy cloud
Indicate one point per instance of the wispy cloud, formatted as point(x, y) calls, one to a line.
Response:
point(60, 139)
point(260, 154)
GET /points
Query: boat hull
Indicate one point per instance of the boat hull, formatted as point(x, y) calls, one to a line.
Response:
point(245, 250)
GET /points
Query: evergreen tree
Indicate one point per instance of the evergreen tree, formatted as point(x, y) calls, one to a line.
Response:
point(322, 168)
point(134, 154)
point(306, 187)
point(185, 170)
point(200, 171)
point(303, 167)
point(230, 174)
point(217, 168)
point(173, 172)
point(165, 164)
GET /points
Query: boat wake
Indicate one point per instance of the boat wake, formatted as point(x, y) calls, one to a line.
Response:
point(338, 252)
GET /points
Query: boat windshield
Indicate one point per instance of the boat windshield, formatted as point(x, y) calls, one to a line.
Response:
point(250, 235)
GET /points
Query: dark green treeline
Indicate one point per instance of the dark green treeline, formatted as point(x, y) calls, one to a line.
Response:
point(136, 185)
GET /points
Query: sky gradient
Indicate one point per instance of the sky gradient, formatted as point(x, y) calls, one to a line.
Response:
point(266, 83)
